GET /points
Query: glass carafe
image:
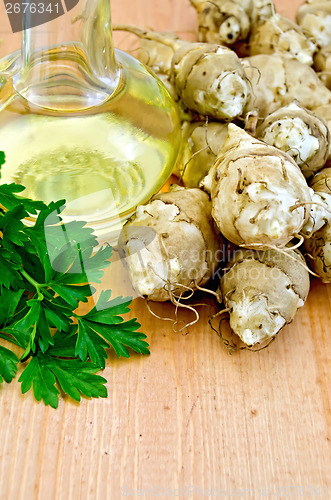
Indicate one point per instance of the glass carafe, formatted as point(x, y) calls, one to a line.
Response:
point(80, 120)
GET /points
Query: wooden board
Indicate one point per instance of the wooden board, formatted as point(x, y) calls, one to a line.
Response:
point(190, 420)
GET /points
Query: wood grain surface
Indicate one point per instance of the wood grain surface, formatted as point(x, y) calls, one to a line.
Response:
point(190, 420)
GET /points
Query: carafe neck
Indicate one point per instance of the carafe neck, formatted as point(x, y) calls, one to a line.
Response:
point(69, 62)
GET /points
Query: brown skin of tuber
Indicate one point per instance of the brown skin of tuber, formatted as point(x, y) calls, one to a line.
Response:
point(279, 35)
point(276, 81)
point(229, 22)
point(322, 65)
point(286, 120)
point(223, 21)
point(254, 190)
point(263, 291)
point(318, 246)
point(208, 79)
point(156, 55)
point(185, 249)
point(201, 142)
point(314, 16)
point(324, 112)
point(200, 72)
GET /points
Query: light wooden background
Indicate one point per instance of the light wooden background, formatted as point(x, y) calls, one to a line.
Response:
point(190, 418)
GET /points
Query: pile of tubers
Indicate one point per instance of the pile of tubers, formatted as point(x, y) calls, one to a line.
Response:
point(251, 210)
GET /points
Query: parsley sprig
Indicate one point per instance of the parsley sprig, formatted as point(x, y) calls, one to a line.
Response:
point(46, 271)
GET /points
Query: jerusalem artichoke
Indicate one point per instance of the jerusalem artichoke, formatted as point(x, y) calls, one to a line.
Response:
point(184, 252)
point(208, 78)
point(322, 65)
point(318, 245)
point(277, 80)
point(229, 21)
point(260, 197)
point(300, 133)
point(279, 35)
point(201, 142)
point(324, 112)
point(314, 16)
point(263, 291)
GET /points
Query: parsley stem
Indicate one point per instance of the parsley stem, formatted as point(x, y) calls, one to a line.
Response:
point(33, 282)
point(29, 278)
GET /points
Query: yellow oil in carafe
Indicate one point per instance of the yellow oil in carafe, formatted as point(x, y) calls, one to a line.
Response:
point(98, 164)
point(103, 160)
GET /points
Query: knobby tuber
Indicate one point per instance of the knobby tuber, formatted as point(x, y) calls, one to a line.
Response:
point(300, 133)
point(258, 197)
point(324, 112)
point(208, 78)
point(314, 16)
point(201, 142)
point(170, 245)
point(229, 21)
point(153, 53)
point(318, 245)
point(259, 194)
point(263, 290)
point(322, 65)
point(277, 80)
point(279, 35)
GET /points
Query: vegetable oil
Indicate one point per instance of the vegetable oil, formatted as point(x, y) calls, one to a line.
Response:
point(86, 123)
point(103, 160)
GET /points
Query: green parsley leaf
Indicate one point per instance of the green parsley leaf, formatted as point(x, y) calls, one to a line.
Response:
point(46, 270)
point(9, 302)
point(8, 364)
point(2, 158)
point(9, 275)
point(38, 376)
point(12, 227)
point(75, 378)
point(57, 316)
point(64, 343)
point(10, 200)
point(104, 323)
point(89, 343)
